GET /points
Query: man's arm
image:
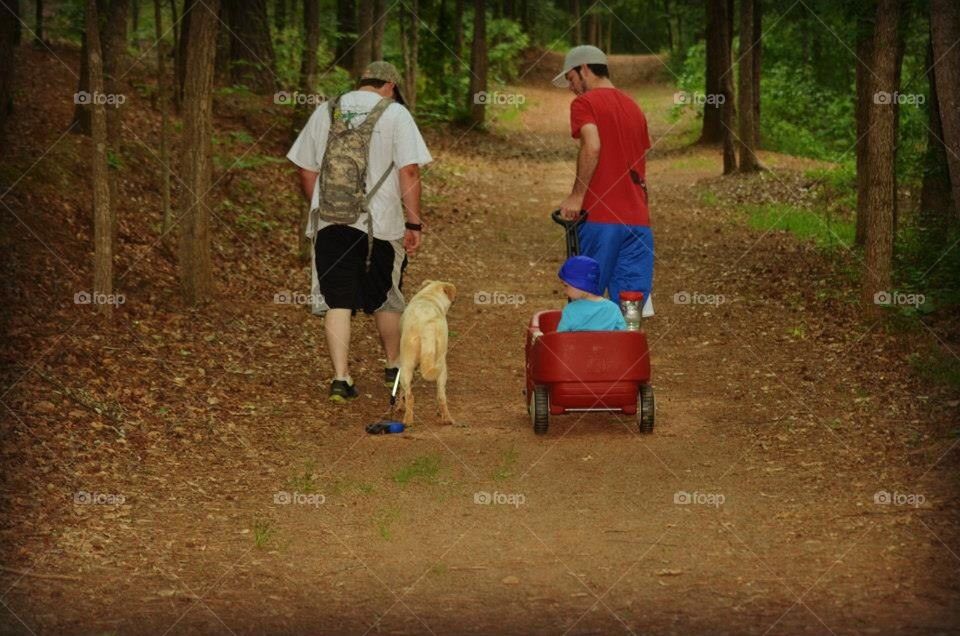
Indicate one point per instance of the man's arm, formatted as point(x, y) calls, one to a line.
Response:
point(587, 161)
point(410, 189)
point(308, 181)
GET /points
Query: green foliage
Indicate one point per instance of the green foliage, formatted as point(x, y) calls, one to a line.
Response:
point(927, 261)
point(288, 52)
point(425, 467)
point(807, 224)
point(506, 41)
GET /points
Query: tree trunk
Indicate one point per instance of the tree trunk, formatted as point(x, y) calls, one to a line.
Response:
point(280, 15)
point(936, 199)
point(717, 62)
point(308, 81)
point(181, 58)
point(756, 52)
point(81, 114)
point(864, 97)
point(478, 64)
point(103, 218)
point(379, 26)
point(38, 23)
point(882, 137)
point(251, 49)
point(945, 32)
point(457, 36)
point(577, 22)
point(364, 42)
point(748, 143)
point(728, 108)
point(9, 10)
point(196, 277)
point(176, 27)
point(163, 99)
point(609, 33)
point(346, 33)
point(134, 15)
point(410, 43)
point(115, 66)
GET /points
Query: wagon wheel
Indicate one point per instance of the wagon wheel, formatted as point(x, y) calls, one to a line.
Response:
point(540, 409)
point(646, 408)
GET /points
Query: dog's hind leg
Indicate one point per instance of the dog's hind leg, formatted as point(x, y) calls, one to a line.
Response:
point(445, 416)
point(406, 385)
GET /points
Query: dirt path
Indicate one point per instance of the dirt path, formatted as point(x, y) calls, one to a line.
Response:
point(765, 417)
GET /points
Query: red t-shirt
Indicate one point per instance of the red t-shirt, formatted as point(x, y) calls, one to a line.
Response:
point(614, 196)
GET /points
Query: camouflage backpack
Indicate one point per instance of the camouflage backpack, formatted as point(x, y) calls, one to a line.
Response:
point(343, 173)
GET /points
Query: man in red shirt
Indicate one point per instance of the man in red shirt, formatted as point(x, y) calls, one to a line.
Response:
point(611, 176)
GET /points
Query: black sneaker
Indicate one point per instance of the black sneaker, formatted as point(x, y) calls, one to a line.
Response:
point(390, 375)
point(341, 391)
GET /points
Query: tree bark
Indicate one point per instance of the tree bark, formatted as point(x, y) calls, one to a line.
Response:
point(163, 100)
point(103, 218)
point(410, 42)
point(756, 53)
point(9, 11)
point(747, 89)
point(936, 198)
point(728, 108)
point(945, 32)
point(364, 43)
point(182, 45)
point(577, 22)
point(280, 15)
point(457, 36)
point(251, 48)
point(346, 33)
point(379, 26)
point(38, 23)
point(864, 97)
point(114, 42)
point(717, 63)
point(134, 15)
point(196, 278)
point(882, 137)
point(478, 64)
point(81, 115)
point(308, 80)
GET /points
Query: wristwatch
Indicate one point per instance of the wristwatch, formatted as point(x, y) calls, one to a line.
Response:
point(416, 227)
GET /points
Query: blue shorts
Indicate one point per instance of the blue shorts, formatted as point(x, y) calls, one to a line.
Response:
point(625, 254)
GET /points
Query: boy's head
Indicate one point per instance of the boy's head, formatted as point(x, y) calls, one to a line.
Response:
point(581, 276)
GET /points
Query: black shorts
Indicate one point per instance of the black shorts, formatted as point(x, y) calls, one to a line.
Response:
point(341, 256)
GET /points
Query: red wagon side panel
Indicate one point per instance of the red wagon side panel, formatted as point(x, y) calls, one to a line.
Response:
point(586, 369)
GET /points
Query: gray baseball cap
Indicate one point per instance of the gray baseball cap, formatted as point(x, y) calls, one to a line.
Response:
point(386, 72)
point(577, 56)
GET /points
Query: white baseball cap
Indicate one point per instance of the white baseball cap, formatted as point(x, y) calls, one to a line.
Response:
point(578, 56)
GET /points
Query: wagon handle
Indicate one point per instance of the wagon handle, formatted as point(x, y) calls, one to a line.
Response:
point(564, 222)
point(570, 230)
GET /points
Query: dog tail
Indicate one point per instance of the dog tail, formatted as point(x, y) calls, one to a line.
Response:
point(429, 368)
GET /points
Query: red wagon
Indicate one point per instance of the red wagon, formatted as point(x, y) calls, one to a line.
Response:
point(579, 371)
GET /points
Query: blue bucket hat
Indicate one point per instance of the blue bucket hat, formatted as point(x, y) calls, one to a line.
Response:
point(583, 273)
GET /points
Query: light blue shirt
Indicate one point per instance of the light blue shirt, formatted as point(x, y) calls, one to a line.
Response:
point(591, 315)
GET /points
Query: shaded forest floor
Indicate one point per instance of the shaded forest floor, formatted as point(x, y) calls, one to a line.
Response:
point(778, 401)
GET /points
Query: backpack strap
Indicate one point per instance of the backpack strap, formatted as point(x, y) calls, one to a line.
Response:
point(374, 115)
point(367, 126)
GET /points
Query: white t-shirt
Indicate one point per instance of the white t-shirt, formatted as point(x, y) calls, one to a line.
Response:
point(395, 138)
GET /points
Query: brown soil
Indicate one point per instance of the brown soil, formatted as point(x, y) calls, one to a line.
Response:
point(779, 400)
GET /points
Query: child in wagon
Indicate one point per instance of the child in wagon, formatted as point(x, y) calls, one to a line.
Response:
point(587, 310)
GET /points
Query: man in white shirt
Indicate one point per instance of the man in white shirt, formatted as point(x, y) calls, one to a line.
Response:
point(347, 284)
